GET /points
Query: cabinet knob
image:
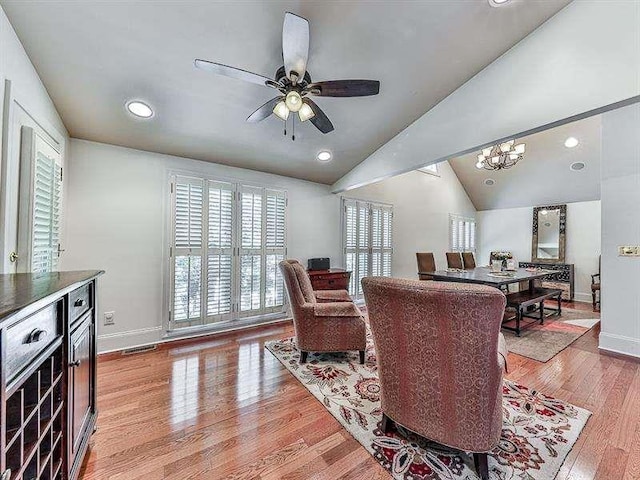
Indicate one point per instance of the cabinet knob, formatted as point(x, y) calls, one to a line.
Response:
point(75, 364)
point(36, 335)
point(79, 302)
point(6, 475)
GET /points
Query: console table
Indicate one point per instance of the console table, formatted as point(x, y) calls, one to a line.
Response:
point(47, 373)
point(563, 279)
point(331, 279)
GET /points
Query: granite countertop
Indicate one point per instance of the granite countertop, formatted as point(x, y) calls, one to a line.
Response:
point(18, 290)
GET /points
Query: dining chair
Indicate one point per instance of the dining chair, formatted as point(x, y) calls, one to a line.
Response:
point(454, 260)
point(426, 263)
point(468, 260)
point(595, 287)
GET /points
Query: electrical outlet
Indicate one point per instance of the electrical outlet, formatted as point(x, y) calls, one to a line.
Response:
point(109, 318)
point(629, 251)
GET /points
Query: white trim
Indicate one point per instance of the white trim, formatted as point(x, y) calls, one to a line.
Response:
point(582, 297)
point(621, 344)
point(145, 334)
point(109, 342)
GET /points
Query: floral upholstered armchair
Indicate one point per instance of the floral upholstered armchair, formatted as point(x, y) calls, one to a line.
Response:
point(322, 324)
point(441, 358)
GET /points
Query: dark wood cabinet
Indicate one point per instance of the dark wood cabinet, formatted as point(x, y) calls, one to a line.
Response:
point(81, 388)
point(331, 279)
point(47, 373)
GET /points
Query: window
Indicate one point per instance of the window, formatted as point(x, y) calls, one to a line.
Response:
point(430, 169)
point(367, 241)
point(40, 204)
point(227, 241)
point(462, 233)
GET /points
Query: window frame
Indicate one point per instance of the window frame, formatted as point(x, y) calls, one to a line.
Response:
point(473, 235)
point(235, 319)
point(370, 249)
point(33, 141)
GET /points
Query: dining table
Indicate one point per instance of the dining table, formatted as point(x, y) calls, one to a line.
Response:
point(485, 276)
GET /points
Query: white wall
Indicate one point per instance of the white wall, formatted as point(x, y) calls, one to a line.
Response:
point(37, 109)
point(620, 226)
point(421, 207)
point(116, 222)
point(554, 73)
point(510, 229)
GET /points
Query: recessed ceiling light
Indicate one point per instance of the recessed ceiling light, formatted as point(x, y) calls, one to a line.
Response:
point(577, 166)
point(324, 156)
point(571, 142)
point(140, 109)
point(497, 3)
point(489, 182)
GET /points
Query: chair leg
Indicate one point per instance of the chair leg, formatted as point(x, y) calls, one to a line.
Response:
point(593, 299)
point(559, 305)
point(518, 317)
point(480, 461)
point(362, 354)
point(541, 312)
point(386, 424)
point(303, 357)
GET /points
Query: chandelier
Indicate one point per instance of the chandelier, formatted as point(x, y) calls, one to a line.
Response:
point(503, 155)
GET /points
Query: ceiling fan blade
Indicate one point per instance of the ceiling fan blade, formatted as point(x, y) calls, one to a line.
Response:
point(344, 88)
point(233, 72)
point(264, 111)
point(320, 120)
point(295, 45)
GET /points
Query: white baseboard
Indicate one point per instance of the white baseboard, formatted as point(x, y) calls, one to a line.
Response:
point(110, 342)
point(620, 344)
point(582, 297)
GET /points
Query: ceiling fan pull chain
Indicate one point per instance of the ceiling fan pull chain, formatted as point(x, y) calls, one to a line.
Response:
point(293, 128)
point(285, 128)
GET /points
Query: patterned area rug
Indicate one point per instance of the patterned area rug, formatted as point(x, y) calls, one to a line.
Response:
point(543, 342)
point(537, 435)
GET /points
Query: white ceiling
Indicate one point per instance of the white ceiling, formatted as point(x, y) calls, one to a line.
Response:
point(94, 56)
point(543, 177)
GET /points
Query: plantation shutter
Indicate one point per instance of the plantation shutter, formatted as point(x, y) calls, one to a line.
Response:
point(367, 239)
point(274, 247)
point(188, 202)
point(40, 204)
point(220, 250)
point(251, 241)
point(462, 234)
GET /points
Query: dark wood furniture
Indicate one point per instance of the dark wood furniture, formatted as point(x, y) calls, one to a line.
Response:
point(562, 277)
point(454, 260)
point(483, 275)
point(595, 287)
point(521, 301)
point(331, 279)
point(468, 260)
point(426, 265)
point(47, 373)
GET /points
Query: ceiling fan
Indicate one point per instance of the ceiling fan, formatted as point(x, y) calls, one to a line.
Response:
point(293, 80)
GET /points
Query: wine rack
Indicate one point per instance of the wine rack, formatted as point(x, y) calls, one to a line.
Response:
point(34, 448)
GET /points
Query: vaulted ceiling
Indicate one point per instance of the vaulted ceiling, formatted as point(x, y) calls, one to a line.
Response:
point(95, 56)
point(544, 176)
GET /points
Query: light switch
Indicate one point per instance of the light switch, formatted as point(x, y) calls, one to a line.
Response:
point(629, 251)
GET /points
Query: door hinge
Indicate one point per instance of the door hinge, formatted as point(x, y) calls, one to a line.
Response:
point(60, 174)
point(170, 251)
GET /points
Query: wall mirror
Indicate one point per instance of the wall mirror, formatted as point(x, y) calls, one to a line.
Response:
point(549, 234)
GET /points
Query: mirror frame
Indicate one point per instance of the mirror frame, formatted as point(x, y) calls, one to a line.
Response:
point(562, 237)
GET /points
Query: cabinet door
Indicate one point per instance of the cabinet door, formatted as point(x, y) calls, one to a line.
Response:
point(81, 403)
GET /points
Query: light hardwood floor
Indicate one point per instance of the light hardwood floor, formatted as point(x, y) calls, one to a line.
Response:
point(224, 408)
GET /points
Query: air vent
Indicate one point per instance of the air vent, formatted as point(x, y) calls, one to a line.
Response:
point(489, 182)
point(142, 349)
point(577, 166)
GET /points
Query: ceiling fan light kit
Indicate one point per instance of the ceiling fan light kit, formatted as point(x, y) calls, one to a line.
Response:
point(293, 81)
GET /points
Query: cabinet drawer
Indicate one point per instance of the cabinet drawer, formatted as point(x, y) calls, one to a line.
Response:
point(331, 284)
point(79, 302)
point(27, 338)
